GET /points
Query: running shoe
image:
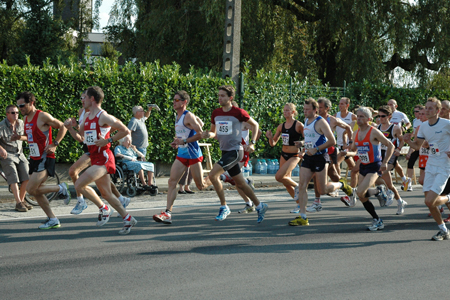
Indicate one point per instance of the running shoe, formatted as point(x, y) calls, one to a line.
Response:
point(65, 192)
point(164, 217)
point(127, 226)
point(295, 210)
point(409, 185)
point(250, 183)
point(376, 225)
point(345, 187)
point(104, 215)
point(315, 207)
point(405, 184)
point(223, 213)
point(247, 209)
point(382, 195)
point(227, 178)
point(441, 235)
point(441, 209)
point(401, 208)
point(334, 194)
point(353, 198)
point(262, 212)
point(299, 221)
point(346, 200)
point(79, 207)
point(50, 224)
point(447, 220)
point(390, 197)
point(296, 192)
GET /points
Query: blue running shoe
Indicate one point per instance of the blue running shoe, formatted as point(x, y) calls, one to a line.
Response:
point(262, 212)
point(376, 225)
point(223, 213)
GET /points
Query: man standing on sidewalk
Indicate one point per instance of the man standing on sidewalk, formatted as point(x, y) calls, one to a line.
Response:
point(13, 162)
point(38, 133)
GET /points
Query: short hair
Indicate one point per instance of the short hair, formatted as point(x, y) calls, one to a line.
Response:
point(435, 100)
point(184, 96)
point(385, 109)
point(228, 89)
point(10, 106)
point(445, 103)
point(420, 106)
point(347, 100)
point(395, 101)
point(123, 139)
point(325, 101)
point(355, 109)
point(27, 96)
point(135, 109)
point(365, 111)
point(312, 102)
point(293, 107)
point(97, 93)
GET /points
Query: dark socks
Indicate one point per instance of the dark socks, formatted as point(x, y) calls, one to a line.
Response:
point(370, 209)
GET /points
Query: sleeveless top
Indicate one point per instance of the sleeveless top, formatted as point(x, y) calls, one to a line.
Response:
point(289, 136)
point(312, 138)
point(340, 131)
point(190, 150)
point(367, 152)
point(37, 139)
point(389, 135)
point(92, 130)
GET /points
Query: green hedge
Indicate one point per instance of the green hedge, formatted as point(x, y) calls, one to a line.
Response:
point(57, 89)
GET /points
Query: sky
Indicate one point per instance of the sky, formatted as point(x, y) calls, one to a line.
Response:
point(104, 12)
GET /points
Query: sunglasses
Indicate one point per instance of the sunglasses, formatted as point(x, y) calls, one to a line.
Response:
point(382, 116)
point(13, 112)
point(22, 105)
point(416, 111)
point(178, 100)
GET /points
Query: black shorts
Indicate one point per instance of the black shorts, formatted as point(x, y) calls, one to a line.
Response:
point(370, 168)
point(341, 148)
point(41, 165)
point(333, 157)
point(230, 161)
point(392, 160)
point(315, 163)
point(446, 190)
point(412, 159)
point(85, 148)
point(287, 156)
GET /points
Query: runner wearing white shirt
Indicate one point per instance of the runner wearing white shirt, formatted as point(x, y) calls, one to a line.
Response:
point(413, 155)
point(402, 120)
point(342, 142)
point(437, 133)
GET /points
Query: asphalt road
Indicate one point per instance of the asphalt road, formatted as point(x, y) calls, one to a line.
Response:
point(198, 258)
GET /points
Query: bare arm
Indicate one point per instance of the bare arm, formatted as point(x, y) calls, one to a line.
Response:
point(122, 130)
point(273, 139)
point(255, 129)
point(57, 124)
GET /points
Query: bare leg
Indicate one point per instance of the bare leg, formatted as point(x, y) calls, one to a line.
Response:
point(176, 172)
point(82, 184)
point(283, 174)
point(82, 163)
point(35, 189)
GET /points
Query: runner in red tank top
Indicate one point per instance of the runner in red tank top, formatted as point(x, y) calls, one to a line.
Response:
point(38, 133)
point(95, 132)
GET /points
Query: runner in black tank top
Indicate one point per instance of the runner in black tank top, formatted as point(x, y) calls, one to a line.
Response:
point(290, 131)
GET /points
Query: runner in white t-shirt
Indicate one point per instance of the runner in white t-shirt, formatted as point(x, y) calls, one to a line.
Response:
point(436, 131)
point(413, 155)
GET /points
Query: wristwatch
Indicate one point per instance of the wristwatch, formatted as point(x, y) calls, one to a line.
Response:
point(56, 143)
point(185, 141)
point(110, 140)
point(253, 142)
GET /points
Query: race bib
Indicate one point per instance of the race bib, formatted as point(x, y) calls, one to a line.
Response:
point(34, 150)
point(434, 150)
point(224, 127)
point(309, 145)
point(90, 137)
point(364, 157)
point(285, 137)
point(424, 151)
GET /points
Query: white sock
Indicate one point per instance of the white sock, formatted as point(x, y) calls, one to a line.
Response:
point(403, 178)
point(56, 219)
point(121, 198)
point(259, 206)
point(443, 227)
point(81, 199)
point(60, 188)
point(317, 200)
point(225, 206)
point(448, 197)
point(249, 203)
point(400, 201)
point(303, 216)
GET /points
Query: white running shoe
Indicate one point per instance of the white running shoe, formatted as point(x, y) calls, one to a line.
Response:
point(409, 182)
point(127, 226)
point(334, 194)
point(296, 192)
point(104, 215)
point(315, 207)
point(79, 207)
point(390, 197)
point(247, 209)
point(295, 210)
point(65, 192)
point(401, 208)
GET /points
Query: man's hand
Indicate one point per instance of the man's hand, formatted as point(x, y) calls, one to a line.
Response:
point(249, 148)
point(383, 167)
point(205, 135)
point(15, 137)
point(51, 148)
point(101, 142)
point(298, 144)
point(70, 122)
point(3, 153)
point(269, 134)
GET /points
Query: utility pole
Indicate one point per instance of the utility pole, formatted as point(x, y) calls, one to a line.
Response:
point(232, 42)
